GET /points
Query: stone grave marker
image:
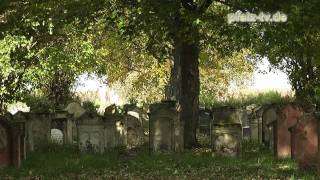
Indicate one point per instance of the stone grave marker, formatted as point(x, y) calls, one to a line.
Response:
point(287, 117)
point(166, 132)
point(95, 132)
point(226, 131)
point(12, 141)
point(205, 118)
point(304, 140)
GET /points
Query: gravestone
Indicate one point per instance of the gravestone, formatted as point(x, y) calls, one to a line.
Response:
point(205, 118)
point(304, 140)
point(255, 121)
point(116, 120)
point(134, 130)
point(95, 132)
point(269, 115)
point(75, 109)
point(135, 125)
point(5, 143)
point(166, 132)
point(39, 126)
point(12, 141)
point(287, 117)
point(226, 131)
point(37, 129)
point(57, 136)
point(63, 121)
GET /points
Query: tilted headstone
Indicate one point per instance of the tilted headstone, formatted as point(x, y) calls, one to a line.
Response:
point(166, 132)
point(226, 131)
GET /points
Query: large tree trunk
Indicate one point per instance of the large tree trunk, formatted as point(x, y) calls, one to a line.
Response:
point(185, 85)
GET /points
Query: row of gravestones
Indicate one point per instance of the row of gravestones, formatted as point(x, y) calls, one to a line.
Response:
point(25, 131)
point(289, 130)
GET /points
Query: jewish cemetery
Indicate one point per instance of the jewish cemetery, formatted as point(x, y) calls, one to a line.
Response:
point(147, 89)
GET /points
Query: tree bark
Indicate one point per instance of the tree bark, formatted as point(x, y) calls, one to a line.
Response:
point(185, 85)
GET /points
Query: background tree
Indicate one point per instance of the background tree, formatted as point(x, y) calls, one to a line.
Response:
point(16, 59)
point(294, 46)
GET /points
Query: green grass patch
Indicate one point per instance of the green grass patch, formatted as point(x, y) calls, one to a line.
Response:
point(59, 162)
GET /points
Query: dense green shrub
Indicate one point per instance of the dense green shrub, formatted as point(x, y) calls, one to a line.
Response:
point(39, 104)
point(90, 106)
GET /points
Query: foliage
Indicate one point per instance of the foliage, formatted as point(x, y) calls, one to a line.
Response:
point(39, 104)
point(61, 63)
point(68, 163)
point(90, 106)
point(294, 46)
point(217, 75)
point(16, 58)
point(272, 97)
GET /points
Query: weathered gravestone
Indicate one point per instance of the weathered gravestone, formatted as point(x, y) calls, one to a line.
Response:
point(280, 136)
point(38, 129)
point(12, 141)
point(205, 118)
point(62, 124)
point(269, 115)
point(304, 140)
point(255, 121)
point(226, 131)
point(95, 133)
point(134, 126)
point(115, 129)
point(166, 132)
point(40, 125)
point(76, 110)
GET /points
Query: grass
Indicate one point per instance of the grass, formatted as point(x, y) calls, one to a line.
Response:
point(56, 162)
